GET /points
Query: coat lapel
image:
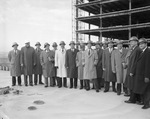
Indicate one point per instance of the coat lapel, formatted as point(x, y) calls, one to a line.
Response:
point(142, 54)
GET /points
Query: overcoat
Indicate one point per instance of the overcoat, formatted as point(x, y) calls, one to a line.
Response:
point(79, 64)
point(117, 59)
point(47, 62)
point(99, 67)
point(106, 62)
point(15, 63)
point(72, 70)
point(60, 59)
point(142, 71)
point(28, 60)
point(38, 67)
point(89, 63)
point(135, 53)
point(55, 69)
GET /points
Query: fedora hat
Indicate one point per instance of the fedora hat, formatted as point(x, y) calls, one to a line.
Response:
point(62, 43)
point(142, 40)
point(54, 44)
point(14, 44)
point(72, 42)
point(38, 43)
point(46, 44)
point(133, 38)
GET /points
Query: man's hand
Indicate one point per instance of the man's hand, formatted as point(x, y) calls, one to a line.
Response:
point(131, 74)
point(104, 69)
point(21, 65)
point(146, 80)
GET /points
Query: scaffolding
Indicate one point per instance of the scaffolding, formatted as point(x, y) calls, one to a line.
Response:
point(115, 19)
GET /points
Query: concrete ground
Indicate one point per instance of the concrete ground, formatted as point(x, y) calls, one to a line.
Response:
point(65, 103)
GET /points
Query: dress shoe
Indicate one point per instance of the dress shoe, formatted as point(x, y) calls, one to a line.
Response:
point(71, 87)
point(105, 91)
point(46, 86)
point(20, 85)
point(13, 85)
point(26, 84)
point(41, 83)
point(66, 86)
point(97, 91)
point(87, 89)
point(139, 103)
point(81, 88)
point(128, 101)
point(145, 107)
point(35, 84)
point(31, 84)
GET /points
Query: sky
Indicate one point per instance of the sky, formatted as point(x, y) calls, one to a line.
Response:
point(35, 21)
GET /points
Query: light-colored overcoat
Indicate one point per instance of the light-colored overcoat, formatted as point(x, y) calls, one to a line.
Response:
point(60, 58)
point(28, 60)
point(117, 59)
point(47, 62)
point(79, 64)
point(89, 63)
point(15, 63)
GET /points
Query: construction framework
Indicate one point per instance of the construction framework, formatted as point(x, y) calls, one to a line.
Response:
point(115, 19)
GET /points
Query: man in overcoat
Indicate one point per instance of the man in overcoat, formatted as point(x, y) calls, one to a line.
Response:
point(80, 65)
point(47, 62)
point(38, 67)
point(117, 59)
point(135, 53)
point(141, 83)
point(72, 70)
point(90, 60)
point(99, 68)
point(54, 79)
point(109, 76)
point(28, 62)
point(14, 58)
point(60, 61)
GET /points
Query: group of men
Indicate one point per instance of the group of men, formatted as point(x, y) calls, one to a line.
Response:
point(129, 68)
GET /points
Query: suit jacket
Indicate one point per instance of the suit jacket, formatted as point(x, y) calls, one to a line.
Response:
point(142, 71)
point(72, 71)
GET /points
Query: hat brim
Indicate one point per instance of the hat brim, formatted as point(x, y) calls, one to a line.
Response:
point(72, 43)
point(143, 42)
point(62, 44)
point(46, 45)
point(37, 44)
point(14, 45)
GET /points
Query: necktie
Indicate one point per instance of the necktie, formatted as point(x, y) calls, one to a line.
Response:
point(15, 52)
point(62, 50)
point(89, 52)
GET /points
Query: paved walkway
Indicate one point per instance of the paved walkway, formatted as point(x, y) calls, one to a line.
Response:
point(65, 103)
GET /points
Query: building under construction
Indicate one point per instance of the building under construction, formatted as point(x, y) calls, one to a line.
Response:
point(115, 19)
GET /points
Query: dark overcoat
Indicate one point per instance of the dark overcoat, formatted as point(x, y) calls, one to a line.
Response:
point(47, 62)
point(28, 60)
point(38, 67)
point(99, 67)
point(135, 53)
point(15, 63)
point(106, 62)
point(72, 70)
point(142, 71)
